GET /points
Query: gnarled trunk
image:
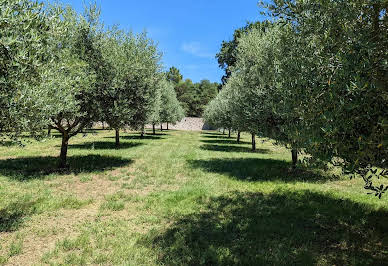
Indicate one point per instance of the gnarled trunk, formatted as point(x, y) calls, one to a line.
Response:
point(253, 142)
point(64, 146)
point(49, 131)
point(117, 137)
point(238, 136)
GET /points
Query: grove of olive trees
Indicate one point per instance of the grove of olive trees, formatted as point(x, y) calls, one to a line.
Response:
point(68, 71)
point(313, 78)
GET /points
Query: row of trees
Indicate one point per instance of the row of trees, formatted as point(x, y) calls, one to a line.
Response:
point(314, 78)
point(65, 70)
point(193, 96)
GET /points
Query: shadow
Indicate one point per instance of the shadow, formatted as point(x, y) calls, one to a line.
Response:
point(227, 148)
point(94, 130)
point(255, 169)
point(224, 141)
point(282, 228)
point(166, 130)
point(138, 137)
point(12, 216)
point(10, 144)
point(159, 133)
point(104, 145)
point(213, 133)
point(218, 137)
point(206, 126)
point(28, 168)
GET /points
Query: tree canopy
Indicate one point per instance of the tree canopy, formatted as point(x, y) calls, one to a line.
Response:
point(314, 80)
point(64, 70)
point(192, 96)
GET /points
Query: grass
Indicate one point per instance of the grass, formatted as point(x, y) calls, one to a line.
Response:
point(181, 198)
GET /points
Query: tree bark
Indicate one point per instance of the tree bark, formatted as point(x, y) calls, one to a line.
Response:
point(117, 137)
point(253, 142)
point(294, 153)
point(238, 136)
point(103, 125)
point(229, 133)
point(167, 125)
point(64, 146)
point(142, 132)
point(49, 131)
point(161, 127)
point(153, 129)
point(223, 131)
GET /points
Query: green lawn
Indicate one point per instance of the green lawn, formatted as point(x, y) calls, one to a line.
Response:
point(181, 198)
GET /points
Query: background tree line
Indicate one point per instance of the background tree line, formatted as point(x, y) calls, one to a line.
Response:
point(313, 78)
point(64, 70)
point(193, 96)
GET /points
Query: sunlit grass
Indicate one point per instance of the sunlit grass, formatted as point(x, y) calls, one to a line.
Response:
point(181, 198)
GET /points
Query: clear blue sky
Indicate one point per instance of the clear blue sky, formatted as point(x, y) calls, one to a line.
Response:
point(188, 32)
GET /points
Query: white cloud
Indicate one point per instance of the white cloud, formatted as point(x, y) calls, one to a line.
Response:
point(192, 67)
point(196, 49)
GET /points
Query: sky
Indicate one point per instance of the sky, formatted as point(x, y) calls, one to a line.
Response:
point(189, 33)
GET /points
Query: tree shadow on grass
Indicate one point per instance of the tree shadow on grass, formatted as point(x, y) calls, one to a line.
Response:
point(223, 141)
point(138, 137)
point(12, 216)
point(105, 145)
point(282, 228)
point(95, 130)
point(217, 137)
point(27, 168)
point(214, 133)
point(227, 148)
point(255, 169)
point(9, 144)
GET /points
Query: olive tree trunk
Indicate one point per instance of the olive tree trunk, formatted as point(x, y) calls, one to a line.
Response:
point(64, 147)
point(117, 137)
point(294, 153)
point(229, 133)
point(167, 125)
point(161, 127)
point(238, 136)
point(153, 129)
point(142, 132)
point(253, 142)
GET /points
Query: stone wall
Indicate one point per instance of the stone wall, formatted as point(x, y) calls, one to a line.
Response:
point(189, 124)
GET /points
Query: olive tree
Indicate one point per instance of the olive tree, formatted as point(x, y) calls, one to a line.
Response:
point(218, 112)
point(154, 115)
point(341, 86)
point(131, 59)
point(23, 51)
point(260, 54)
point(70, 79)
point(142, 81)
point(170, 110)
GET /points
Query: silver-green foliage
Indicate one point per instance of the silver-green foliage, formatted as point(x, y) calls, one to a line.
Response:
point(23, 52)
point(315, 79)
point(133, 97)
point(171, 110)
